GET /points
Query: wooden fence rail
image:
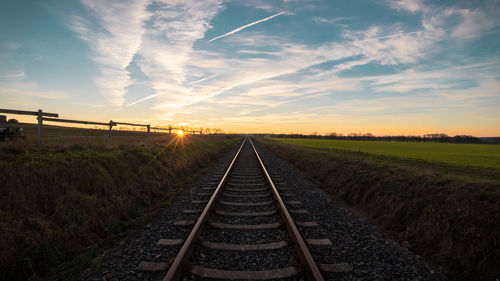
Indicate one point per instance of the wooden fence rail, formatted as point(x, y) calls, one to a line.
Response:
point(23, 112)
point(41, 117)
point(78, 122)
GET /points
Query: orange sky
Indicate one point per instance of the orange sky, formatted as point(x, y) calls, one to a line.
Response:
point(340, 127)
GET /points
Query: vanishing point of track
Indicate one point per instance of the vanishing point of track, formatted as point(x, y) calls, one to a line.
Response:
point(245, 231)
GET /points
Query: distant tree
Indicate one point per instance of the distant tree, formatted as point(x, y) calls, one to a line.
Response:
point(218, 131)
point(436, 136)
point(13, 121)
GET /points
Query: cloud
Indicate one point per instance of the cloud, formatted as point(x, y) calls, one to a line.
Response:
point(114, 43)
point(474, 22)
point(280, 74)
point(79, 25)
point(246, 26)
point(437, 19)
point(394, 48)
point(167, 56)
point(249, 85)
point(259, 4)
point(445, 79)
point(331, 20)
point(407, 5)
point(246, 75)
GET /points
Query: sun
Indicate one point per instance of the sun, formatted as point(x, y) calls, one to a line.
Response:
point(180, 133)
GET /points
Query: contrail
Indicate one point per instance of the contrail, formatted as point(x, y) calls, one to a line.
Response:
point(141, 100)
point(386, 36)
point(245, 26)
point(202, 79)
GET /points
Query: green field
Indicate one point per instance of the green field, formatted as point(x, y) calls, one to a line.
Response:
point(476, 155)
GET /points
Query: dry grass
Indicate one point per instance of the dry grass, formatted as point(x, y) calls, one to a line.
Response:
point(61, 203)
point(448, 215)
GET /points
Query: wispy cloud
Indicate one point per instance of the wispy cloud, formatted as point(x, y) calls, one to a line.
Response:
point(331, 20)
point(167, 55)
point(386, 36)
point(408, 5)
point(80, 26)
point(473, 23)
point(281, 74)
point(246, 26)
point(114, 42)
point(389, 45)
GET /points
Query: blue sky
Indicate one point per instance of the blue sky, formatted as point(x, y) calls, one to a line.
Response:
point(381, 66)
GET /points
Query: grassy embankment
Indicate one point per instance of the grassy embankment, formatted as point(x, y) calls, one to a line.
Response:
point(61, 205)
point(447, 213)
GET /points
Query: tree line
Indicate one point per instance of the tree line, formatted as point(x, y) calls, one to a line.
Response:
point(436, 137)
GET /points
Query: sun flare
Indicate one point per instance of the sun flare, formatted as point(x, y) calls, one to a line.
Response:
point(180, 133)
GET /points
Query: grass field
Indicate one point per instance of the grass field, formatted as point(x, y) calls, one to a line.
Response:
point(476, 155)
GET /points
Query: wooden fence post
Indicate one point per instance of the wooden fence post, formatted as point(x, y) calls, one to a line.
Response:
point(169, 130)
point(40, 123)
point(110, 128)
point(149, 130)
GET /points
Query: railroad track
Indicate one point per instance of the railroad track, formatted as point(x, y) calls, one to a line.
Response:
point(245, 228)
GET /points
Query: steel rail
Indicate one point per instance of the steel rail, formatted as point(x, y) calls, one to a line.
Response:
point(311, 269)
point(179, 263)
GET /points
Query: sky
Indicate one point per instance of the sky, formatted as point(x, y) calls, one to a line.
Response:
point(386, 67)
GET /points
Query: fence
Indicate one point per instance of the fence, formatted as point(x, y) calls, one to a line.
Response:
point(54, 117)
